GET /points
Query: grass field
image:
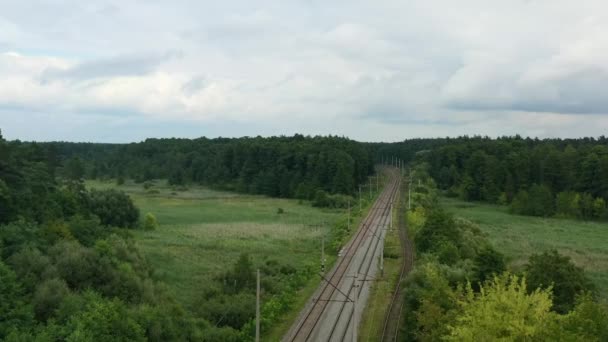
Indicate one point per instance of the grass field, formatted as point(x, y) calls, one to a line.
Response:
point(202, 233)
point(520, 236)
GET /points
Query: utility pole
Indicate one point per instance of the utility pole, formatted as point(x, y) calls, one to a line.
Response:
point(409, 195)
point(355, 321)
point(382, 235)
point(257, 310)
point(348, 214)
point(377, 182)
point(359, 197)
point(391, 217)
point(370, 187)
point(323, 254)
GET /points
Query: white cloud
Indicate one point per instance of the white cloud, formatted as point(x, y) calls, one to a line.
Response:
point(402, 68)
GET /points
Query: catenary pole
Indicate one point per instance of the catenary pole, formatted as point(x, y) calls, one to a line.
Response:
point(257, 309)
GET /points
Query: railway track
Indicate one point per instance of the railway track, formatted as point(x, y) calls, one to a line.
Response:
point(392, 319)
point(329, 316)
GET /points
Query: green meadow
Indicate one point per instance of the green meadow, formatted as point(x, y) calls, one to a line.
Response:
point(202, 232)
point(520, 236)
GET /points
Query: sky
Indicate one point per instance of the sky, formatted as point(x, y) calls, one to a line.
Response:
point(123, 71)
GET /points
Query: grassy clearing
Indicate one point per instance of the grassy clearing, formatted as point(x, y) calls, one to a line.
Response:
point(202, 232)
point(520, 236)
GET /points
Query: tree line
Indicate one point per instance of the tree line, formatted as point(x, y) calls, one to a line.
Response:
point(293, 167)
point(551, 177)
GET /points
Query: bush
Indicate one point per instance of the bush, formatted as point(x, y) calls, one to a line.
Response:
point(541, 201)
point(87, 231)
point(12, 311)
point(503, 311)
point(228, 310)
point(520, 204)
point(550, 269)
point(104, 320)
point(567, 205)
point(241, 277)
point(32, 267)
point(488, 263)
point(439, 228)
point(321, 199)
point(150, 222)
point(429, 302)
point(75, 264)
point(48, 297)
point(114, 208)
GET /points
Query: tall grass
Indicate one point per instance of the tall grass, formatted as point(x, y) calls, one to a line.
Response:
point(520, 236)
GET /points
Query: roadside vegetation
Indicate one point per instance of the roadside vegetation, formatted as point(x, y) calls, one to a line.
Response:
point(463, 289)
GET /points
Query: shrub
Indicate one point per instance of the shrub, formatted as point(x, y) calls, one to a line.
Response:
point(114, 208)
point(104, 320)
point(150, 222)
point(520, 203)
point(48, 297)
point(438, 228)
point(12, 311)
point(550, 269)
point(503, 310)
point(566, 206)
point(488, 263)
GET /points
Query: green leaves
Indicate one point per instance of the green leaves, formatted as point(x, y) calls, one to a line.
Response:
point(503, 311)
point(552, 270)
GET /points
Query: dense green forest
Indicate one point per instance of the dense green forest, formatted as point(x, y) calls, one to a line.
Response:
point(294, 167)
point(565, 178)
point(551, 177)
point(69, 269)
point(461, 290)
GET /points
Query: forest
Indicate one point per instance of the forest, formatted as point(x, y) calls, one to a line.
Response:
point(294, 167)
point(70, 270)
point(552, 177)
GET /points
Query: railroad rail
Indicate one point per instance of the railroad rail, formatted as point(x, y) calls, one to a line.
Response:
point(392, 319)
point(329, 315)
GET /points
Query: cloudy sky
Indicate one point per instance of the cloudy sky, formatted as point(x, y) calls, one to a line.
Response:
point(119, 71)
